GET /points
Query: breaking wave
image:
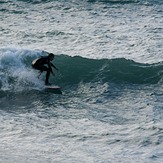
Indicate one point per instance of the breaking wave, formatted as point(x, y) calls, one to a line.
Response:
point(16, 72)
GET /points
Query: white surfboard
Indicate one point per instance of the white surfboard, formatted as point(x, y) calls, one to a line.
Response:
point(53, 89)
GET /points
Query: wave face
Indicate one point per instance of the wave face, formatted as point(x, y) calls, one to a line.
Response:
point(17, 73)
point(120, 70)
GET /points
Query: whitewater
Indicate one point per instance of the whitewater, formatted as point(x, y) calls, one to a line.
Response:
point(110, 61)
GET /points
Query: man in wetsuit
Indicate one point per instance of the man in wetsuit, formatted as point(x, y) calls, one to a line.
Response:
point(45, 60)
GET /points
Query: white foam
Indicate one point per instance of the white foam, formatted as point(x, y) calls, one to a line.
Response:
point(16, 70)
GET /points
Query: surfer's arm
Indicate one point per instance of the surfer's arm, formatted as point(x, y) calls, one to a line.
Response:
point(54, 66)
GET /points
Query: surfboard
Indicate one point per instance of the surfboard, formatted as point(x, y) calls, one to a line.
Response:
point(53, 88)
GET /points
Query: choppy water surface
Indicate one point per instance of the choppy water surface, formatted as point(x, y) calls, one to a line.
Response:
point(109, 55)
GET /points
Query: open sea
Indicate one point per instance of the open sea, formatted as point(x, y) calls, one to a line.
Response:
point(110, 59)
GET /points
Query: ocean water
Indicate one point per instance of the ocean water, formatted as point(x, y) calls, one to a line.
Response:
point(110, 59)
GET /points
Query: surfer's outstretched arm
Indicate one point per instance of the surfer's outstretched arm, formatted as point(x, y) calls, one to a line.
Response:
point(54, 66)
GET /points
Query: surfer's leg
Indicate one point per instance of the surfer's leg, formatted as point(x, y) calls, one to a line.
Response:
point(47, 77)
point(44, 68)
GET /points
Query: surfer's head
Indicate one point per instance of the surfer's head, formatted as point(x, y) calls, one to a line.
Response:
point(51, 56)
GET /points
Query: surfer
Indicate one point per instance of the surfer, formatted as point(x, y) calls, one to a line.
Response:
point(40, 63)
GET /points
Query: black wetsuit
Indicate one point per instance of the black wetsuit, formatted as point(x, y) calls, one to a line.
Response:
point(39, 65)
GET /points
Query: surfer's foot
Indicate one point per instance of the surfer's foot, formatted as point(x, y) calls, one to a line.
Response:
point(47, 83)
